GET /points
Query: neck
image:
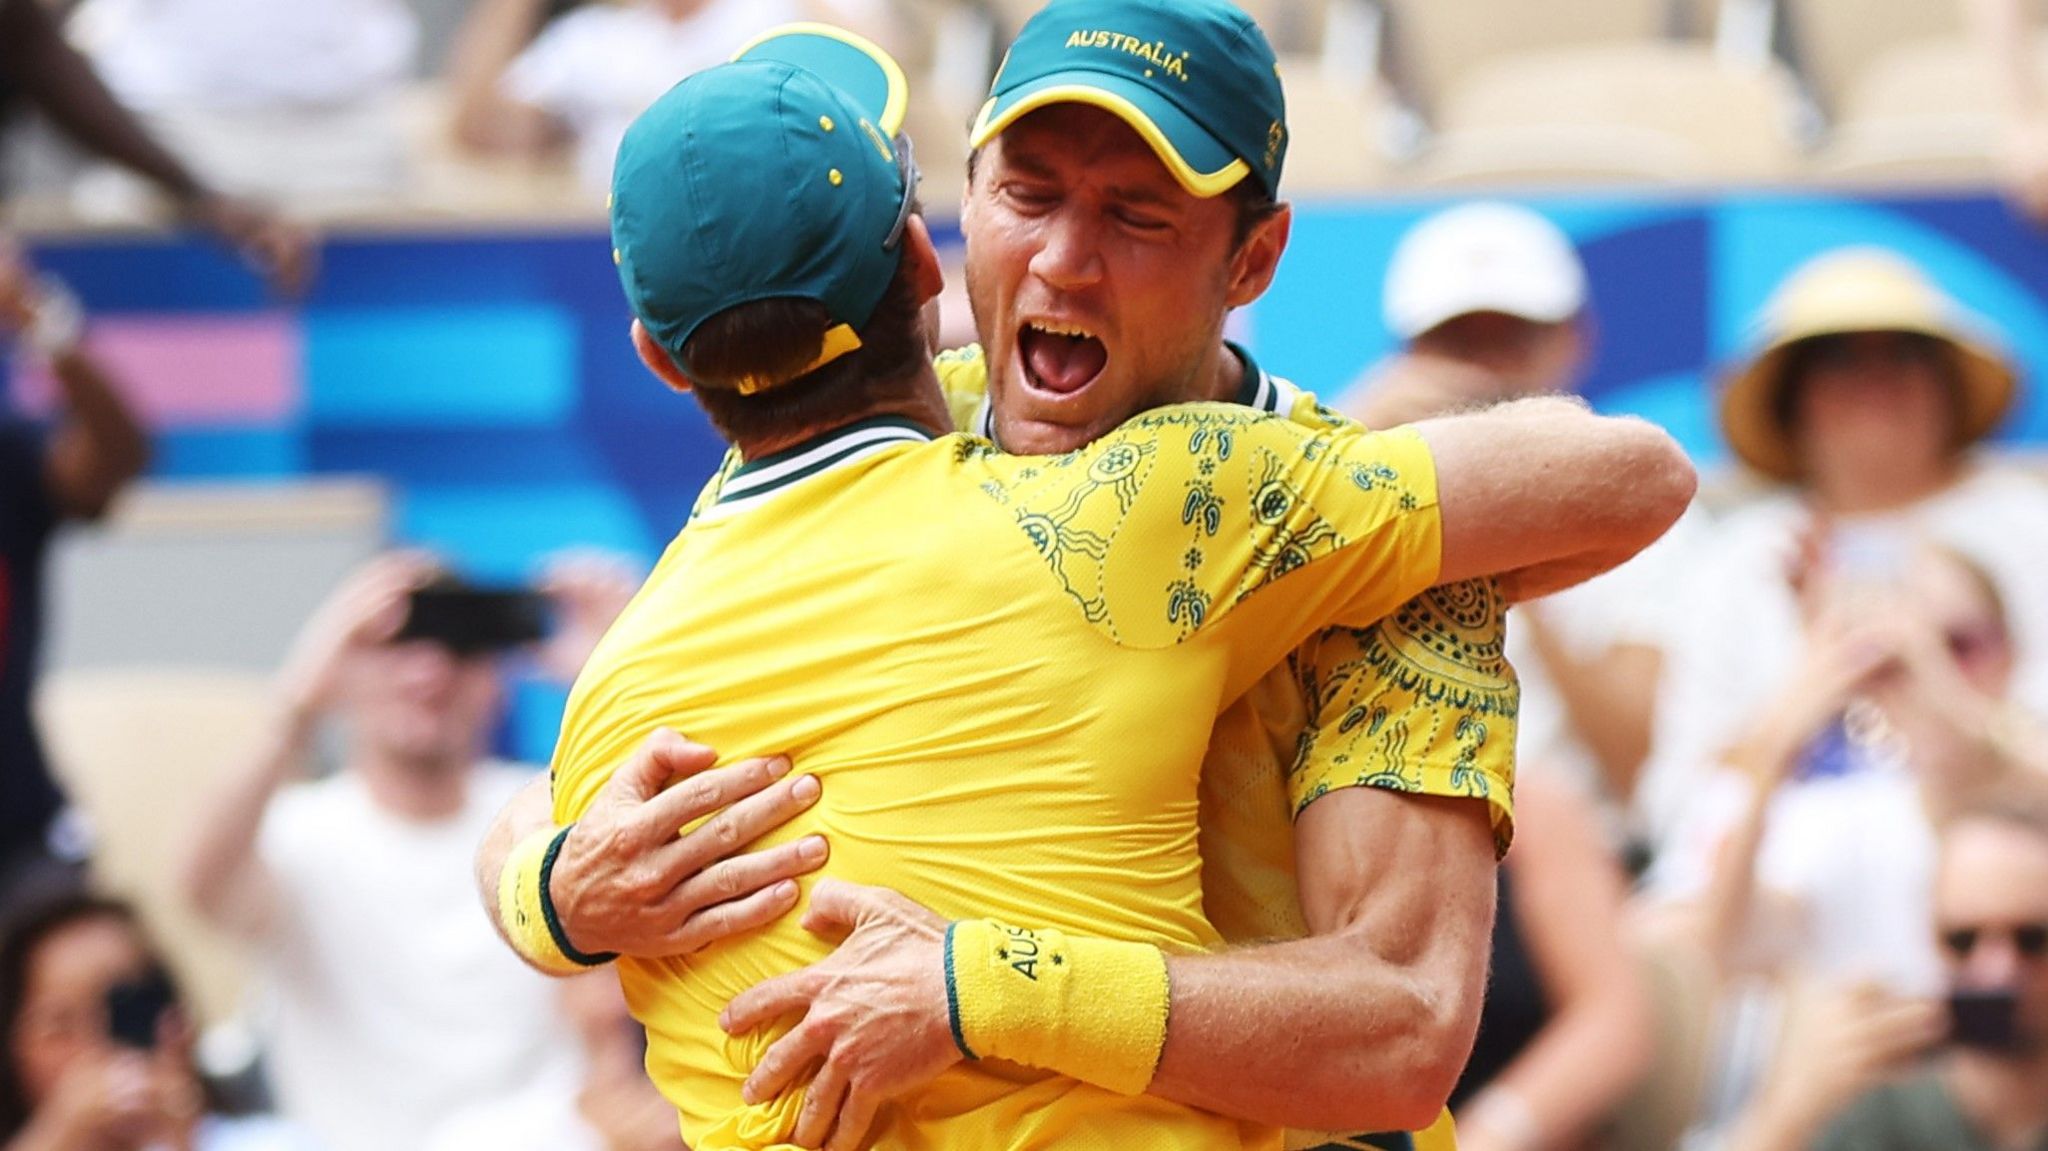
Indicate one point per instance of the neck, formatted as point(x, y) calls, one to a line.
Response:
point(923, 404)
point(1224, 376)
point(1878, 490)
point(2005, 1097)
point(420, 791)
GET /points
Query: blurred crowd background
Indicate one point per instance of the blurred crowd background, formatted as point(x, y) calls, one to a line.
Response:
point(305, 298)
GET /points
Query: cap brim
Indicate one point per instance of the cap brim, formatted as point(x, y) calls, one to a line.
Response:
point(856, 66)
point(1197, 159)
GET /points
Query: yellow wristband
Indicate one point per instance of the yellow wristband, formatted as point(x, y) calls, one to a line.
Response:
point(1090, 1009)
point(528, 914)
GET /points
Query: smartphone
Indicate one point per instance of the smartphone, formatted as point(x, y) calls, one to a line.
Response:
point(1985, 1020)
point(471, 620)
point(136, 1007)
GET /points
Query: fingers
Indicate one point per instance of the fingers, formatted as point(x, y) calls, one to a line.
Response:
point(662, 759)
point(822, 1100)
point(856, 1115)
point(838, 906)
point(785, 1062)
point(764, 1003)
point(725, 920)
point(717, 793)
point(744, 874)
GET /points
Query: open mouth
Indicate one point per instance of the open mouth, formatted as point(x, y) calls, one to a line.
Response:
point(1060, 358)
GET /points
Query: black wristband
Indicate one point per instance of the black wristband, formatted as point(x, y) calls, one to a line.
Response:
point(547, 909)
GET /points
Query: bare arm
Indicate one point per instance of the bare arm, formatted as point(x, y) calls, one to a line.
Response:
point(37, 58)
point(1568, 897)
point(486, 120)
point(223, 875)
point(99, 445)
point(1609, 699)
point(1365, 1026)
point(1550, 494)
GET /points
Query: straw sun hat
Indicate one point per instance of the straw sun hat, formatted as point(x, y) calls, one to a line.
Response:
point(1857, 290)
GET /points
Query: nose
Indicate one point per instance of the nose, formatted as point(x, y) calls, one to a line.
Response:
point(1994, 962)
point(425, 667)
point(1069, 255)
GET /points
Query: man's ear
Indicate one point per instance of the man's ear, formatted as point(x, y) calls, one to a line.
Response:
point(927, 278)
point(1258, 258)
point(658, 360)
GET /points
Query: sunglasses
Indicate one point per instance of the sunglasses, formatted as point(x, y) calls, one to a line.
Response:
point(2029, 939)
point(906, 166)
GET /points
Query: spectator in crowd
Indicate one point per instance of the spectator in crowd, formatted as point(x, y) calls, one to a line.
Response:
point(399, 1020)
point(99, 1051)
point(1490, 303)
point(69, 472)
point(1854, 1082)
point(286, 100)
point(38, 66)
point(1865, 399)
point(1565, 1031)
point(589, 72)
point(1813, 856)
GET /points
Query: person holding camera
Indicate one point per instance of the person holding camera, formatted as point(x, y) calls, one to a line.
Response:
point(1859, 1081)
point(98, 1052)
point(396, 1017)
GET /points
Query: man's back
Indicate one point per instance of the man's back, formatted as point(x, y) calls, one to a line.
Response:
point(1004, 669)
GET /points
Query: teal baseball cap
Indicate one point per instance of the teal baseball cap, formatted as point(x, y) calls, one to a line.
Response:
point(778, 175)
point(1195, 78)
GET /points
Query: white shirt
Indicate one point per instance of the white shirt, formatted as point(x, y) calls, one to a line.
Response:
point(1627, 605)
point(598, 67)
point(161, 55)
point(395, 1007)
point(1854, 854)
point(1737, 638)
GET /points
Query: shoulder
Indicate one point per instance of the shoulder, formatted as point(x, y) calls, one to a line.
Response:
point(1916, 1112)
point(963, 377)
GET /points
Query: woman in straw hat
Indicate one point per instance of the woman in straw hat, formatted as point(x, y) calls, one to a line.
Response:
point(1865, 395)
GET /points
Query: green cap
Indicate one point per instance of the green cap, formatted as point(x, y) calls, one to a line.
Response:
point(774, 176)
point(1195, 78)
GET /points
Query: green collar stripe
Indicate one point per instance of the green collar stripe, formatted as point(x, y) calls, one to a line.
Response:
point(834, 449)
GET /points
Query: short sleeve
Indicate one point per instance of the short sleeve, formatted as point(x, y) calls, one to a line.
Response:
point(1424, 701)
point(1190, 516)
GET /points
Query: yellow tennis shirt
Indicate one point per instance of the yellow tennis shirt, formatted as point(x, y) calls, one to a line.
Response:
point(1002, 669)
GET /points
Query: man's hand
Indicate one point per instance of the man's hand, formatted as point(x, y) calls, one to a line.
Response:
point(874, 1012)
point(367, 609)
point(283, 252)
point(588, 589)
point(626, 882)
point(1849, 1041)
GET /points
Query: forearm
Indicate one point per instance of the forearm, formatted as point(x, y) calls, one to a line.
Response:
point(1316, 1034)
point(527, 812)
point(223, 877)
point(101, 445)
point(35, 55)
point(491, 38)
point(1579, 1067)
point(1608, 700)
point(2006, 44)
point(1731, 893)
